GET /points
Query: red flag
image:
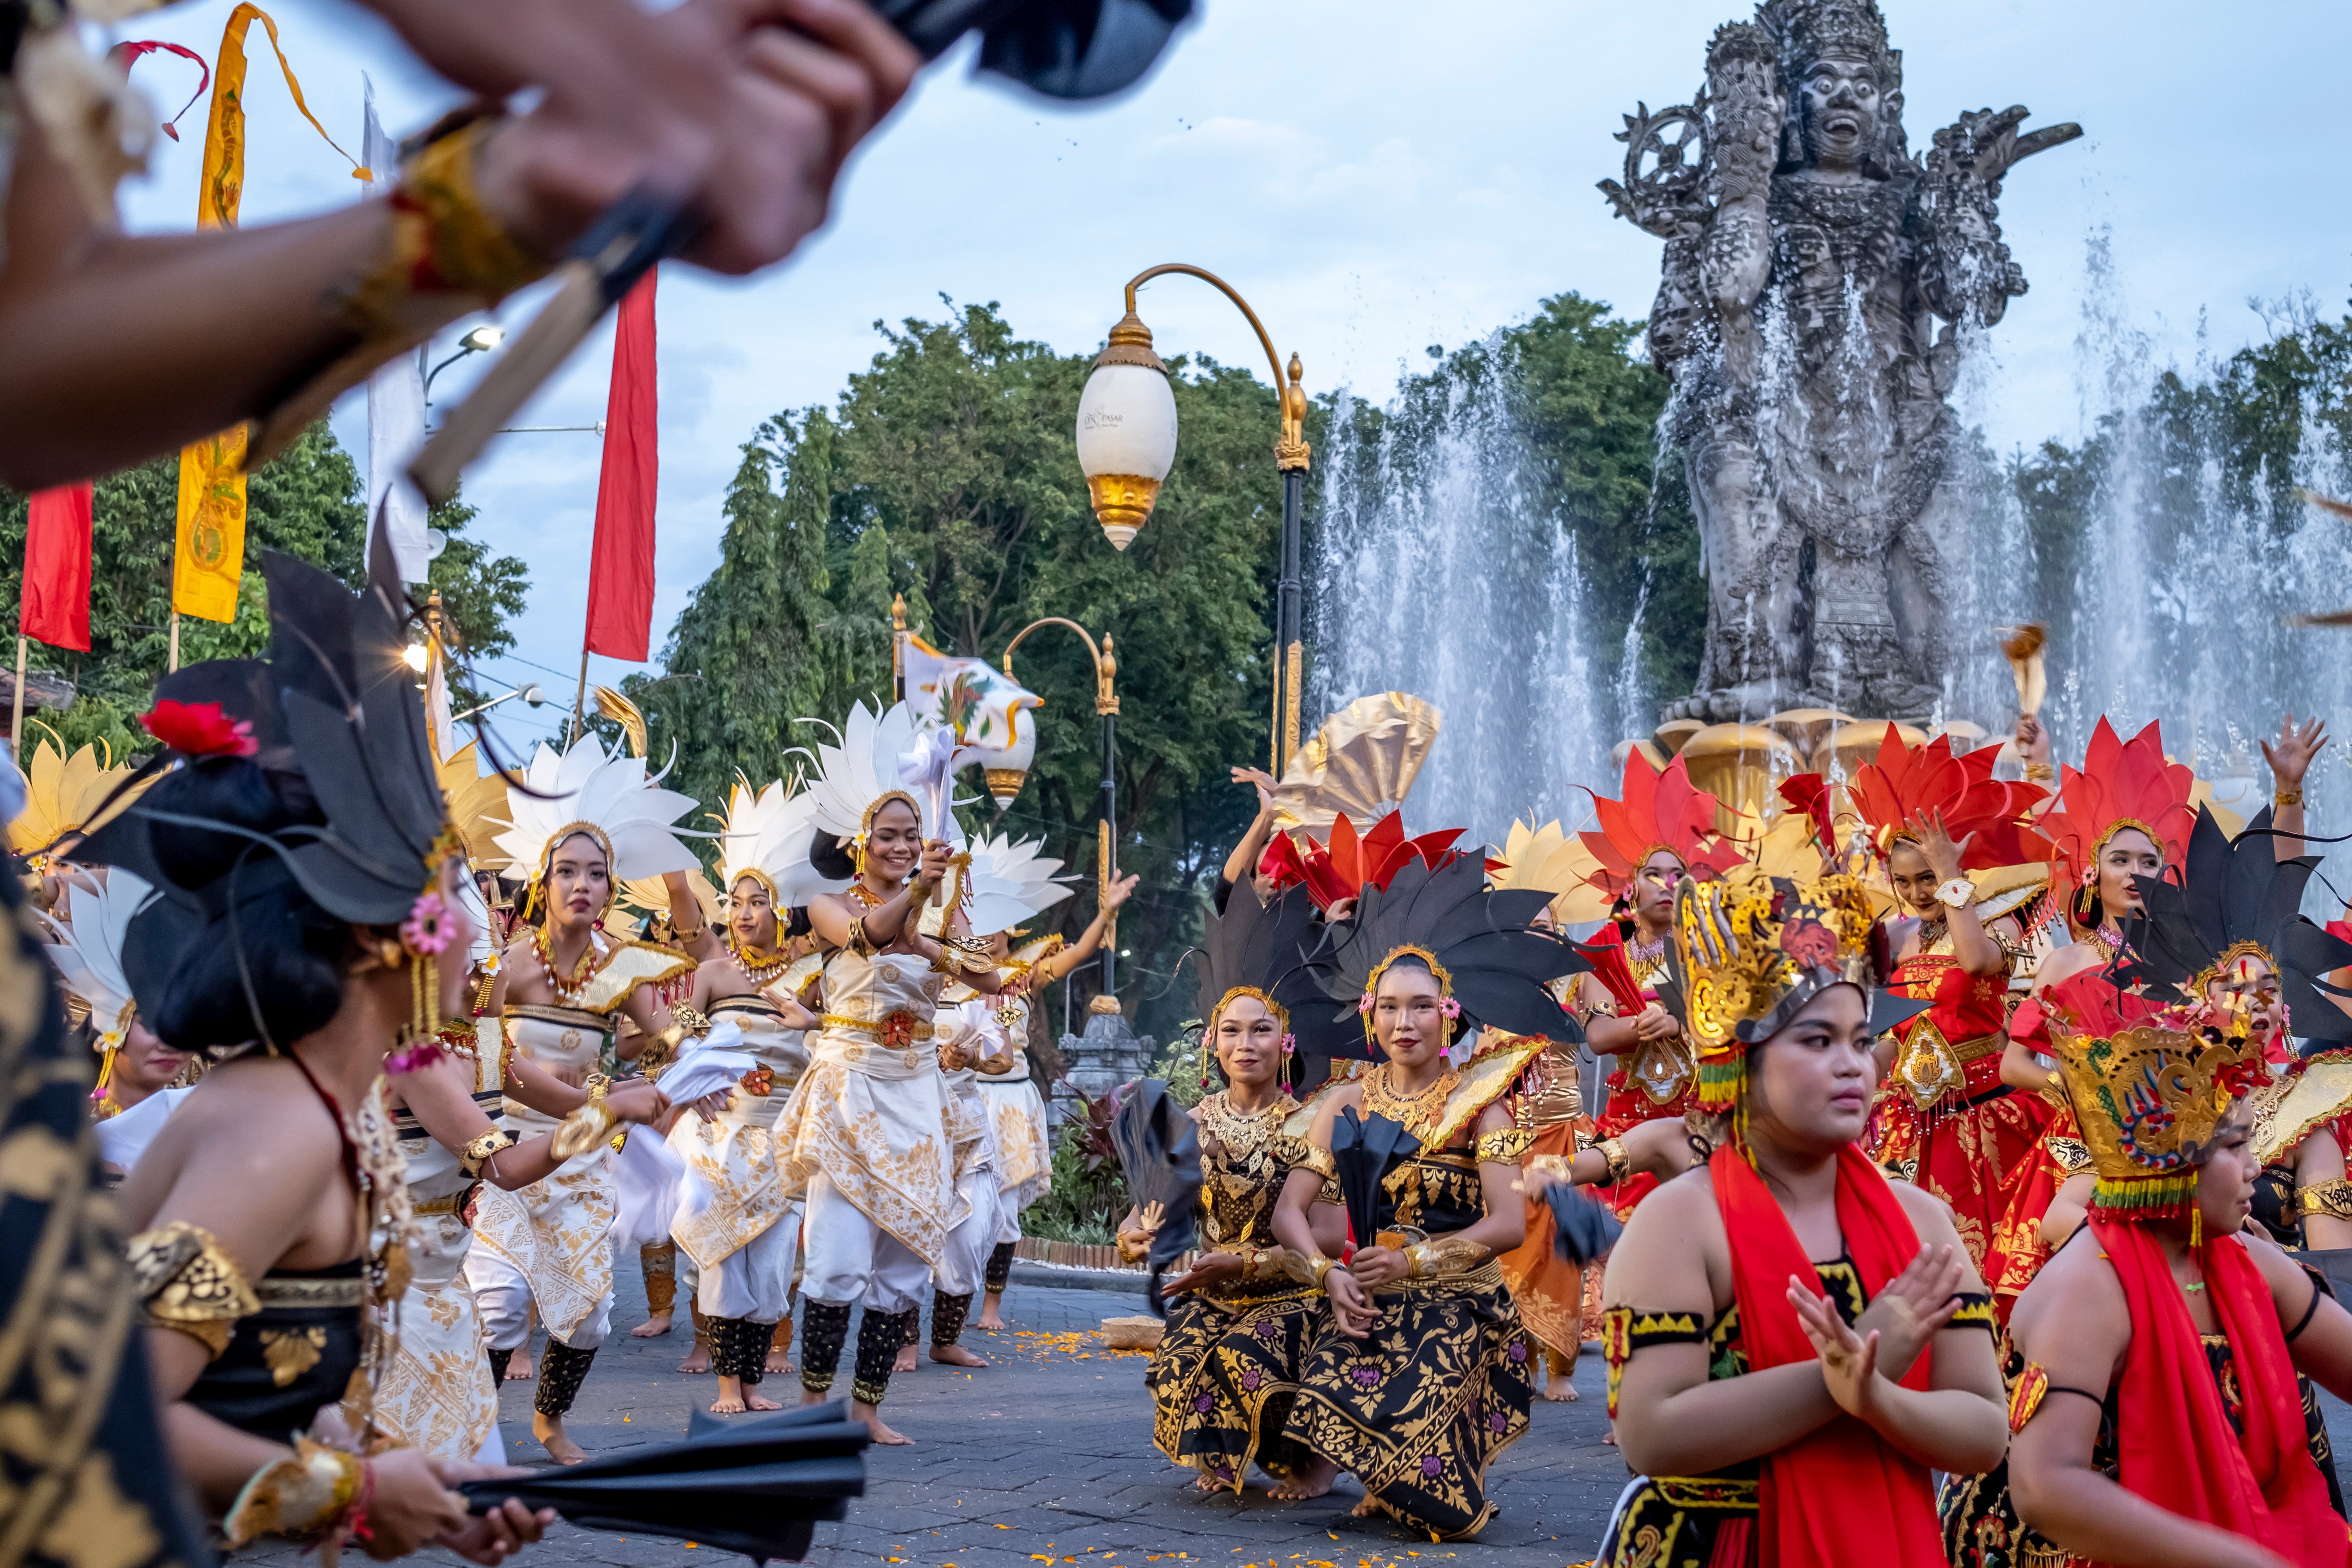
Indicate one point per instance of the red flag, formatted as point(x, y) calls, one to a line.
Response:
point(55, 604)
point(621, 567)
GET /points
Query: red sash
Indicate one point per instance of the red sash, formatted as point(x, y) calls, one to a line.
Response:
point(1843, 1497)
point(2171, 1433)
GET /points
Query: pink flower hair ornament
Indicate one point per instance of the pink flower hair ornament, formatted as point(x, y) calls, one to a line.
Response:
point(1449, 1007)
point(429, 928)
point(1364, 1003)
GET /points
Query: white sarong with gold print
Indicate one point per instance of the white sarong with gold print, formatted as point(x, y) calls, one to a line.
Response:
point(436, 1393)
point(743, 1243)
point(557, 1233)
point(872, 1114)
point(1025, 1154)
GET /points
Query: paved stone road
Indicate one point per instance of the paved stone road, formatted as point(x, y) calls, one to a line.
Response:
point(1047, 1455)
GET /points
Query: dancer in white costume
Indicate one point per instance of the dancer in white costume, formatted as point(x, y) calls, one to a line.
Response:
point(582, 821)
point(742, 1245)
point(438, 1392)
point(869, 1139)
point(1016, 1109)
point(93, 908)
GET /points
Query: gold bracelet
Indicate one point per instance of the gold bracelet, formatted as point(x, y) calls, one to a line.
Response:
point(306, 1494)
point(478, 1153)
point(586, 1127)
point(1318, 1265)
point(1621, 1164)
point(2286, 797)
point(1551, 1166)
point(2330, 1199)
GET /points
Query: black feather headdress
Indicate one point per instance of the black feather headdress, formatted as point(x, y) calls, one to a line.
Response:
point(2237, 899)
point(1263, 951)
point(1490, 956)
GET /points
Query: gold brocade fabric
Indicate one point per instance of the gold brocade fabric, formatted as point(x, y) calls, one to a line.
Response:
point(736, 1155)
point(436, 1393)
point(875, 1118)
point(189, 1284)
point(79, 1434)
point(1016, 1111)
point(1226, 1371)
point(557, 1232)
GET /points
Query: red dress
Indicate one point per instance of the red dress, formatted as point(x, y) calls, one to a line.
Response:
point(1633, 1088)
point(1944, 1118)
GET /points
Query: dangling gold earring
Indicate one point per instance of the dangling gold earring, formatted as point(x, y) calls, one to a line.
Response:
point(857, 855)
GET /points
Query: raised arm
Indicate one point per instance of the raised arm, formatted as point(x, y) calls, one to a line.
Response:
point(1054, 966)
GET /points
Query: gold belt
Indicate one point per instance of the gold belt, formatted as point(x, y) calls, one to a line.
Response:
point(438, 1205)
point(880, 1028)
point(1706, 1491)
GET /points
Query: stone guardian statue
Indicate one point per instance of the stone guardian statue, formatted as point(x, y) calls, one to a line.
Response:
point(1818, 289)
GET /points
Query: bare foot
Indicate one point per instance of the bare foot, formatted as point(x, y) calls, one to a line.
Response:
point(1210, 1482)
point(991, 1320)
point(778, 1362)
point(519, 1368)
point(755, 1400)
point(698, 1360)
point(1610, 1436)
point(730, 1398)
point(906, 1362)
point(1367, 1509)
point(1313, 1480)
point(653, 1328)
point(861, 1410)
point(955, 1355)
point(1559, 1389)
point(548, 1430)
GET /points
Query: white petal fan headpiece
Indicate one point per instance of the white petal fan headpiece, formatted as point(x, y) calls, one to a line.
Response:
point(89, 949)
point(767, 835)
point(854, 777)
point(1004, 883)
point(605, 794)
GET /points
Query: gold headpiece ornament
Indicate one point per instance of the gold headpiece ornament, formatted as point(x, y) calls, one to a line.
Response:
point(1751, 949)
point(1452, 1009)
point(2149, 1084)
point(61, 791)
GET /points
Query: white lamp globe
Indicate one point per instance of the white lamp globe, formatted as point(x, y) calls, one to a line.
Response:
point(1126, 431)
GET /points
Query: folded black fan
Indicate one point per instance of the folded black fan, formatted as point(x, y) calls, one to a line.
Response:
point(1360, 1152)
point(1063, 49)
point(754, 1487)
point(1160, 1149)
point(1586, 1229)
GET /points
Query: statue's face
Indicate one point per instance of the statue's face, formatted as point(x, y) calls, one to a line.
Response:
point(1843, 105)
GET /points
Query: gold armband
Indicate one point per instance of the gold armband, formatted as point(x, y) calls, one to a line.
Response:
point(1317, 1159)
point(2286, 797)
point(859, 942)
point(2040, 772)
point(478, 1153)
point(2074, 1156)
point(1621, 1164)
point(184, 1281)
point(1505, 1147)
point(1444, 1256)
point(588, 1126)
point(309, 1494)
point(2331, 1198)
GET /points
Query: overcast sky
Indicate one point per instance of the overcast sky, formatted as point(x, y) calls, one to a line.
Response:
point(1375, 177)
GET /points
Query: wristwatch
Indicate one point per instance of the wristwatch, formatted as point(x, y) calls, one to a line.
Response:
point(1958, 894)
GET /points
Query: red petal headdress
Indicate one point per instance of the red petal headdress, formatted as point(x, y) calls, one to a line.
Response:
point(1655, 811)
point(1341, 869)
point(1904, 782)
point(2121, 784)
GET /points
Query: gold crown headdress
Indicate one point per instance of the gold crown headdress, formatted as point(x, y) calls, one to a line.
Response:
point(1751, 949)
point(61, 791)
point(2149, 1084)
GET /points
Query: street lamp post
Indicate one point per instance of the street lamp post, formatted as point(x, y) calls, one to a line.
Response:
point(1126, 444)
point(1106, 665)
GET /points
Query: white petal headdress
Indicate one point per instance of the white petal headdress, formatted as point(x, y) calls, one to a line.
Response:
point(853, 776)
point(89, 949)
point(768, 836)
point(1003, 884)
point(606, 793)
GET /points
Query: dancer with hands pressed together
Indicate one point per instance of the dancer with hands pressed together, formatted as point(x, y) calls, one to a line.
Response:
point(1794, 1340)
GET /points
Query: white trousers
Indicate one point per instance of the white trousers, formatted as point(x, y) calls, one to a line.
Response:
point(755, 1281)
point(849, 1258)
point(963, 1261)
point(502, 1297)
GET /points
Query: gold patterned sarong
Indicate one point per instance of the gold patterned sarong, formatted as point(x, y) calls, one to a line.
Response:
point(557, 1232)
point(872, 1114)
point(736, 1155)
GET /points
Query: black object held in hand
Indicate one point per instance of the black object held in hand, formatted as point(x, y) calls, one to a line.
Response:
point(1586, 1230)
point(1063, 49)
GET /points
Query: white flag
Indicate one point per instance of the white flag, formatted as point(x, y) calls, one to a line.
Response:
point(395, 396)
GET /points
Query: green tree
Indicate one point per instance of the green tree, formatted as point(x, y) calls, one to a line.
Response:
point(307, 501)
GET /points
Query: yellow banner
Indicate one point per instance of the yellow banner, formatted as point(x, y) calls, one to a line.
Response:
point(210, 556)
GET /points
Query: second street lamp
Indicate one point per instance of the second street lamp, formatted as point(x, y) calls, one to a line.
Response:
point(1126, 443)
point(1106, 666)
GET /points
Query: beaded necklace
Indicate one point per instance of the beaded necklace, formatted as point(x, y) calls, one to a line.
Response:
point(567, 991)
point(1417, 1113)
point(758, 970)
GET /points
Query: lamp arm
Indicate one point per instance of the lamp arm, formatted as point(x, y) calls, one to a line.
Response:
point(1291, 449)
point(1105, 702)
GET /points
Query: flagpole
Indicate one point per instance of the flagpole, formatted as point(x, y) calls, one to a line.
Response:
point(580, 701)
point(174, 661)
point(16, 708)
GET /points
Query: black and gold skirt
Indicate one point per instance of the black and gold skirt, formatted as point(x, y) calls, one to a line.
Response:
point(1224, 1377)
point(1681, 1521)
point(1418, 1409)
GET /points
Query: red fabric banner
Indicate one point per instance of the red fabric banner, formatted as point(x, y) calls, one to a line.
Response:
point(55, 604)
point(621, 567)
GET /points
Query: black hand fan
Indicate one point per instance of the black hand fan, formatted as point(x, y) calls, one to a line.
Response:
point(1160, 1149)
point(754, 1487)
point(1586, 1229)
point(1360, 1150)
point(1063, 49)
